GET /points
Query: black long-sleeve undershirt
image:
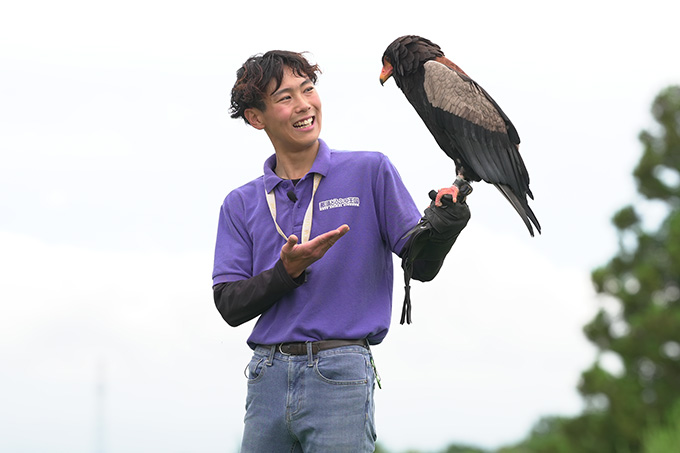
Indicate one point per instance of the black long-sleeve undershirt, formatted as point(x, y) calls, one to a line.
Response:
point(240, 301)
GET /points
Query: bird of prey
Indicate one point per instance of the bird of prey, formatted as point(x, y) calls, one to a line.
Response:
point(463, 118)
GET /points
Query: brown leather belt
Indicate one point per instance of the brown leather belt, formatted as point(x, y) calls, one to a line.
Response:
point(301, 348)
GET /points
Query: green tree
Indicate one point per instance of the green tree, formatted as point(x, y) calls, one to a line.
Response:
point(636, 410)
point(666, 437)
point(644, 277)
point(380, 449)
point(458, 448)
point(547, 436)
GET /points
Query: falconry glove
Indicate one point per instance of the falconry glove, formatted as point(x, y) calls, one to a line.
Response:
point(431, 240)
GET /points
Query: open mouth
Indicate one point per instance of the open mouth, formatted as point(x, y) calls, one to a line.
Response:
point(304, 123)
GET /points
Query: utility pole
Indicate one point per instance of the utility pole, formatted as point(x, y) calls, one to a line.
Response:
point(100, 408)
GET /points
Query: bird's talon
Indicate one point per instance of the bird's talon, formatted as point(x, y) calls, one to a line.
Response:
point(451, 191)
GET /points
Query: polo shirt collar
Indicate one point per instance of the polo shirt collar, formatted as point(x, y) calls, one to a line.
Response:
point(321, 165)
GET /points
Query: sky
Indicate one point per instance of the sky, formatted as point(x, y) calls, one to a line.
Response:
point(117, 150)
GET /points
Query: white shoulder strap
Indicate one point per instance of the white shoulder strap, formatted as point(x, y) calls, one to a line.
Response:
point(307, 222)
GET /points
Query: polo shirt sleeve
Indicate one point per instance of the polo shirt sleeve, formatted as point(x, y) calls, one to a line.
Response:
point(233, 246)
point(397, 211)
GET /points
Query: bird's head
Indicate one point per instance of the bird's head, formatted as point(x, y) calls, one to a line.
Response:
point(406, 55)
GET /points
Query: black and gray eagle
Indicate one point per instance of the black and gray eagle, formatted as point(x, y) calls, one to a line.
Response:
point(465, 121)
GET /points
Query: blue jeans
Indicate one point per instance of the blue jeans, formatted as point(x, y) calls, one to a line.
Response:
point(310, 403)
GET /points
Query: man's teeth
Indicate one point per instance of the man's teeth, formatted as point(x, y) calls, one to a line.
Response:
point(304, 123)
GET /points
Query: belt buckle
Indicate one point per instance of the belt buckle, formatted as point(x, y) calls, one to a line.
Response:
point(281, 350)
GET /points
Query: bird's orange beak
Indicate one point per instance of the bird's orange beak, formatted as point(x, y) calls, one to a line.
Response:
point(386, 72)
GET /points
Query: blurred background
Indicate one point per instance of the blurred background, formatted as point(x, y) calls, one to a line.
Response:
point(117, 150)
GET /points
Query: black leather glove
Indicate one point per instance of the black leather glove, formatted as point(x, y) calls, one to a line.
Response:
point(431, 240)
point(450, 218)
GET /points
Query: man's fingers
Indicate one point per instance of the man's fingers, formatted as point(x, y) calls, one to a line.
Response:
point(296, 257)
point(320, 243)
point(288, 246)
point(340, 232)
point(336, 234)
point(331, 237)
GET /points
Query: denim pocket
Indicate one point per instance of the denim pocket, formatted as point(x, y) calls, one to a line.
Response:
point(256, 369)
point(342, 368)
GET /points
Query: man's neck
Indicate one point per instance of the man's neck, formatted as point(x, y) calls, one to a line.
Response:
point(295, 165)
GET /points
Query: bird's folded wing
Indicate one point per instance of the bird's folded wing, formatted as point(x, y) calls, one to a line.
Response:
point(468, 119)
point(455, 92)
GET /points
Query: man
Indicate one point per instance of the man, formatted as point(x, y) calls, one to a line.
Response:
point(308, 248)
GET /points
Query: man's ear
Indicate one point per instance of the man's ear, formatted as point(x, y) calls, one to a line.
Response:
point(254, 117)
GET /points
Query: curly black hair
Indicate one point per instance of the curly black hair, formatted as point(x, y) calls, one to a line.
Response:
point(253, 77)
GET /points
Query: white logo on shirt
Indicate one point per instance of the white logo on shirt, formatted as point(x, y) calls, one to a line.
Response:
point(339, 203)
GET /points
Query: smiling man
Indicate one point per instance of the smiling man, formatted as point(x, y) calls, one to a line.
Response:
point(308, 247)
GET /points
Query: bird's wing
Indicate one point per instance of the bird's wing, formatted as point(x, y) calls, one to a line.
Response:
point(467, 123)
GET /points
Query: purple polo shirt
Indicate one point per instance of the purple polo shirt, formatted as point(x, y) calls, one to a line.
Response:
point(348, 292)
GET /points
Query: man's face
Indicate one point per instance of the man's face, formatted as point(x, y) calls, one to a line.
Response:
point(292, 117)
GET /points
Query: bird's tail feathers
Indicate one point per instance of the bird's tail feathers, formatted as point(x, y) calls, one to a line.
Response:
point(522, 208)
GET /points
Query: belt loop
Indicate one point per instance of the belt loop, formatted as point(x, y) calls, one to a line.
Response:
point(310, 354)
point(270, 359)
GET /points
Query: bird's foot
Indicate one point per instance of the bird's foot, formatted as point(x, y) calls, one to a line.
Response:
point(458, 192)
point(451, 191)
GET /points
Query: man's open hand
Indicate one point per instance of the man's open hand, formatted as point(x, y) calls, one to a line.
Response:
point(297, 257)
